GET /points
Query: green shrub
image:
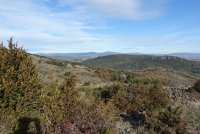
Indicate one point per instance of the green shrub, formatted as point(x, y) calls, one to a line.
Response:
point(20, 86)
point(197, 86)
point(147, 106)
point(67, 73)
point(54, 62)
point(171, 121)
point(19, 81)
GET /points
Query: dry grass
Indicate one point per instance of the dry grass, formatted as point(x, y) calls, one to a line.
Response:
point(53, 73)
point(192, 116)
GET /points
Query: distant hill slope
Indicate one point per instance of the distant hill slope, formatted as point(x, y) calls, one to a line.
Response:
point(131, 62)
point(190, 56)
point(52, 70)
point(80, 57)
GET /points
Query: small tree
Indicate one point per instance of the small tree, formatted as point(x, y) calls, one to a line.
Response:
point(19, 82)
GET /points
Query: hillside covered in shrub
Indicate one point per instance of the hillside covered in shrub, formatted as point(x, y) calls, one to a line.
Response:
point(30, 105)
point(134, 62)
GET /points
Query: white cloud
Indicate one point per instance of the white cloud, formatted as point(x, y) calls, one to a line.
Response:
point(64, 27)
point(35, 25)
point(120, 9)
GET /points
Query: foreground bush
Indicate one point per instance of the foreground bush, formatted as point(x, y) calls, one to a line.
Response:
point(144, 106)
point(19, 87)
point(197, 86)
point(19, 82)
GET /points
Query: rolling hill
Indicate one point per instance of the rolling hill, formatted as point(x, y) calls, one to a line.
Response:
point(135, 62)
point(80, 57)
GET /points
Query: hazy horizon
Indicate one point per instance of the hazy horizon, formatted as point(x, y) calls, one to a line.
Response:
point(115, 52)
point(129, 26)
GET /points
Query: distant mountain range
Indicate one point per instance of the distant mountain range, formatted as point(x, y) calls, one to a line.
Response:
point(88, 54)
point(190, 56)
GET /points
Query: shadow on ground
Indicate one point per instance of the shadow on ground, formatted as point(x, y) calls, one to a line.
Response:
point(24, 126)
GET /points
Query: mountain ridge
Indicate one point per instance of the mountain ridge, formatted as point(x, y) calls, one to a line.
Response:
point(185, 55)
point(130, 62)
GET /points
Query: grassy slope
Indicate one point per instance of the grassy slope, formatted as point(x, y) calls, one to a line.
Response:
point(51, 73)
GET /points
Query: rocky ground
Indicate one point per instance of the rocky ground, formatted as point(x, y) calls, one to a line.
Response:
point(189, 100)
point(182, 95)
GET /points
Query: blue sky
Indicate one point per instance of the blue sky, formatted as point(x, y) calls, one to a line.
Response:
point(129, 26)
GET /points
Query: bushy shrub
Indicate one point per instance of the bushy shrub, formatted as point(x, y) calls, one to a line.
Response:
point(19, 81)
point(19, 85)
point(171, 121)
point(140, 97)
point(67, 73)
point(196, 86)
point(145, 106)
point(106, 93)
point(83, 119)
point(53, 108)
point(79, 116)
point(54, 62)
